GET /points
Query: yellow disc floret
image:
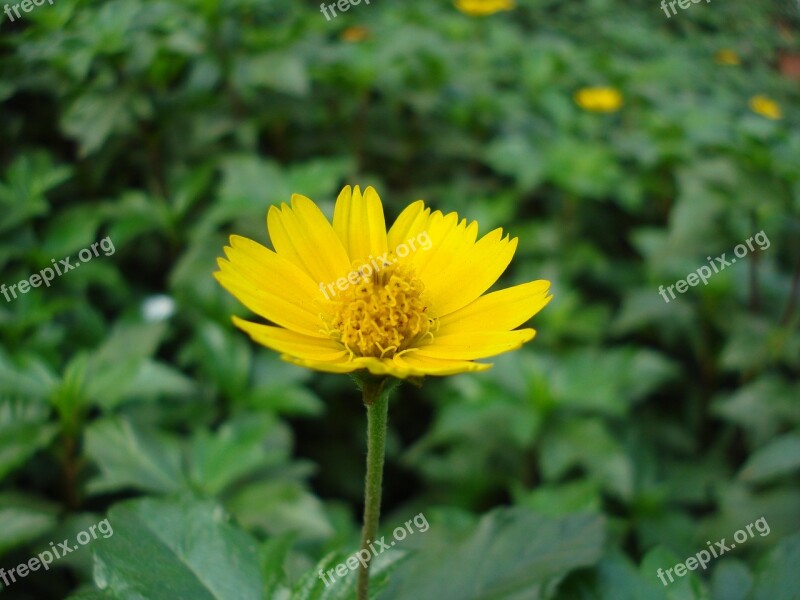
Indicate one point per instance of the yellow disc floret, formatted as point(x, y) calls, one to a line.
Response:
point(382, 315)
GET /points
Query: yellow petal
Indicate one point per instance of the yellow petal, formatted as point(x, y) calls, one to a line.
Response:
point(470, 273)
point(303, 235)
point(376, 366)
point(409, 224)
point(358, 221)
point(290, 342)
point(277, 310)
point(419, 366)
point(502, 310)
point(401, 367)
point(469, 346)
point(341, 365)
point(478, 8)
point(449, 240)
point(270, 286)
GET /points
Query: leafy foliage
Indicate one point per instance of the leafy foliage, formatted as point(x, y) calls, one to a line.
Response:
point(628, 434)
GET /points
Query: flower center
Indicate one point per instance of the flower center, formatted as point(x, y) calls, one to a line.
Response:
point(382, 314)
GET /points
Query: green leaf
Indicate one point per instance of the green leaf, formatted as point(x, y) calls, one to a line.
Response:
point(247, 178)
point(157, 380)
point(779, 457)
point(24, 429)
point(762, 407)
point(515, 156)
point(224, 355)
point(610, 380)
point(22, 194)
point(273, 555)
point(74, 230)
point(6, 90)
point(93, 117)
point(685, 587)
point(23, 519)
point(281, 71)
point(130, 458)
point(561, 500)
point(320, 177)
point(288, 400)
point(145, 380)
point(279, 507)
point(731, 580)
point(642, 308)
point(239, 448)
point(163, 550)
point(512, 553)
point(132, 214)
point(121, 368)
point(585, 169)
point(127, 342)
point(28, 377)
point(90, 594)
point(589, 444)
point(312, 587)
point(776, 576)
point(614, 577)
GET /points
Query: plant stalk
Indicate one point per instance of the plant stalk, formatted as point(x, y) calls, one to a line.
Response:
point(377, 402)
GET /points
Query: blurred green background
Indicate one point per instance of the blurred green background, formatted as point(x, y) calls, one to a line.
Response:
point(625, 437)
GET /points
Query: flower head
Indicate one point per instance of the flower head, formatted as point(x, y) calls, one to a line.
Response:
point(726, 56)
point(599, 99)
point(482, 8)
point(766, 107)
point(350, 296)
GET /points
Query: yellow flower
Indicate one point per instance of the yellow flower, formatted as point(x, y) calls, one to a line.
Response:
point(350, 296)
point(765, 107)
point(599, 99)
point(481, 8)
point(726, 56)
point(355, 34)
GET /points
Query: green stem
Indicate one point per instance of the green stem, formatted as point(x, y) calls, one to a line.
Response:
point(377, 403)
